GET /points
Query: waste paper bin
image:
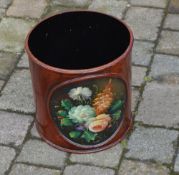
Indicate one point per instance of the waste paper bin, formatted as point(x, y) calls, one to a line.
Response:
point(80, 63)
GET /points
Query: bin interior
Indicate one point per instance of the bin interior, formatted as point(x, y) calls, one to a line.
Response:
point(79, 40)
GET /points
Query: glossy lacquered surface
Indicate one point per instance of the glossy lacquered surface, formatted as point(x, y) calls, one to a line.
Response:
point(47, 78)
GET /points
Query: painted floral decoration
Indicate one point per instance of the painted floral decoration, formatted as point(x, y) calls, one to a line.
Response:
point(80, 93)
point(86, 115)
point(81, 113)
point(99, 123)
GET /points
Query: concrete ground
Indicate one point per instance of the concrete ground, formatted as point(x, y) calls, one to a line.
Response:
point(151, 148)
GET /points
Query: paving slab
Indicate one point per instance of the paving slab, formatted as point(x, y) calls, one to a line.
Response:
point(150, 3)
point(135, 96)
point(14, 127)
point(34, 132)
point(72, 3)
point(17, 95)
point(88, 170)
point(111, 7)
point(159, 105)
point(142, 52)
point(162, 95)
point(176, 165)
point(174, 6)
point(1, 84)
point(164, 65)
point(56, 9)
point(22, 8)
point(12, 33)
point(138, 168)
point(144, 22)
point(107, 158)
point(7, 64)
point(7, 155)
point(169, 42)
point(138, 74)
point(39, 152)
point(2, 12)
point(5, 3)
point(23, 61)
point(172, 21)
point(32, 170)
point(152, 144)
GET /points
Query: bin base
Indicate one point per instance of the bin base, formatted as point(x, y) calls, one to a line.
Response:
point(92, 150)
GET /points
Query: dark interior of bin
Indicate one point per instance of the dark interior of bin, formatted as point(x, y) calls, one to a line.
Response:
point(79, 40)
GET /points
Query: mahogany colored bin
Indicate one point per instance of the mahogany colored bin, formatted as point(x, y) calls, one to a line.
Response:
point(80, 63)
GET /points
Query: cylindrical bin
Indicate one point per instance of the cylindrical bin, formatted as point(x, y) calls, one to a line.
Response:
point(80, 63)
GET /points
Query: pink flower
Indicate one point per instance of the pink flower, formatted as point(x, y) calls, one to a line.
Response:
point(100, 123)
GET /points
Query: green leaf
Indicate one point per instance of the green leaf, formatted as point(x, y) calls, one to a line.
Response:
point(117, 105)
point(66, 104)
point(75, 134)
point(66, 122)
point(62, 113)
point(116, 115)
point(88, 136)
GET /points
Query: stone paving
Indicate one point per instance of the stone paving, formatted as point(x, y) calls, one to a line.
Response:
point(152, 148)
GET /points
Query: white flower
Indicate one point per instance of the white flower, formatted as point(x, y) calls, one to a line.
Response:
point(81, 113)
point(80, 93)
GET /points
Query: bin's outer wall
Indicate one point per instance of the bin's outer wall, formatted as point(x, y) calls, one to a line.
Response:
point(44, 80)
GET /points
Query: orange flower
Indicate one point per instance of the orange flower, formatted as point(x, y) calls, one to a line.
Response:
point(99, 123)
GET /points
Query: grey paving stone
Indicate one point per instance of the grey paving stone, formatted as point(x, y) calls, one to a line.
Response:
point(142, 52)
point(152, 143)
point(138, 74)
point(7, 64)
point(144, 22)
point(174, 6)
point(22, 8)
point(2, 12)
point(172, 21)
point(176, 165)
point(56, 9)
point(107, 158)
point(1, 83)
point(14, 127)
point(32, 170)
point(12, 34)
point(17, 95)
point(87, 170)
point(171, 79)
point(72, 3)
point(7, 155)
point(137, 168)
point(169, 42)
point(34, 132)
point(159, 106)
point(5, 3)
point(111, 7)
point(165, 65)
point(23, 61)
point(135, 95)
point(38, 152)
point(150, 3)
